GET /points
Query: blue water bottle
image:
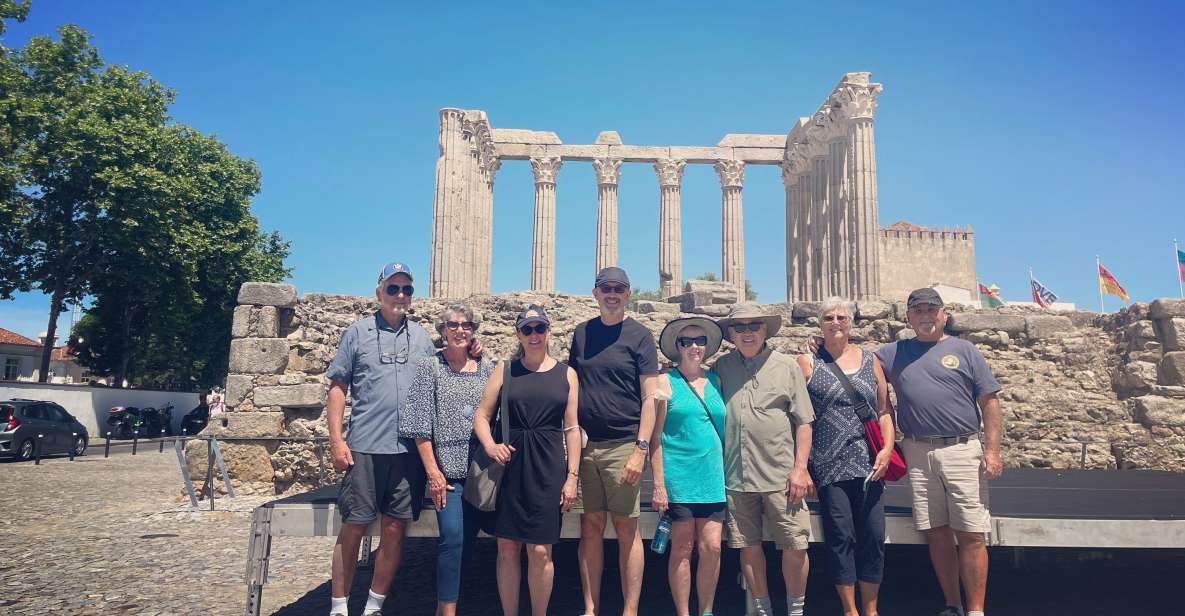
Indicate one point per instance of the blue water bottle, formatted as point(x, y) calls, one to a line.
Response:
point(662, 535)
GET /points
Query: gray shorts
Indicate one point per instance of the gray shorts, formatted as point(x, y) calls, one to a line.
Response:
point(391, 484)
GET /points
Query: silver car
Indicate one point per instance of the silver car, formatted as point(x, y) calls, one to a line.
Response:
point(26, 425)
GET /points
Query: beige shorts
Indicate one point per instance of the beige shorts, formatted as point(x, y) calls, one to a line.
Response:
point(948, 486)
point(601, 487)
point(751, 514)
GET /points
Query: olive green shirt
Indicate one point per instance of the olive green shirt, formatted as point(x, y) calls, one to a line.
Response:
point(764, 398)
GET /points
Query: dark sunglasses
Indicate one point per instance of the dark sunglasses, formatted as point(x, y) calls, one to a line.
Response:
point(617, 289)
point(394, 289)
point(842, 318)
point(538, 328)
point(686, 341)
point(747, 327)
point(469, 325)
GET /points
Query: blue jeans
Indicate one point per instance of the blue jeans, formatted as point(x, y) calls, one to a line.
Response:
point(458, 523)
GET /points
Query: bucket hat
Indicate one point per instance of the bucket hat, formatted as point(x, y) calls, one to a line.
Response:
point(670, 334)
point(745, 311)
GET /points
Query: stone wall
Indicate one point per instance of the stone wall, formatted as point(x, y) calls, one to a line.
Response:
point(1105, 390)
point(913, 256)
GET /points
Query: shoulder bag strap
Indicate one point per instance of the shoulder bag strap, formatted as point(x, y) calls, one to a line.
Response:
point(702, 403)
point(503, 405)
point(863, 411)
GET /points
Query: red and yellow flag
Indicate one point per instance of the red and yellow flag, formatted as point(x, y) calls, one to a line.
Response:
point(1109, 285)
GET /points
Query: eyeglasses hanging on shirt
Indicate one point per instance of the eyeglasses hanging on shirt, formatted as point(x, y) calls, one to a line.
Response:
point(395, 356)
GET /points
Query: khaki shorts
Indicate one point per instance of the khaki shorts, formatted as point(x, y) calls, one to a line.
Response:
point(948, 486)
point(750, 514)
point(601, 487)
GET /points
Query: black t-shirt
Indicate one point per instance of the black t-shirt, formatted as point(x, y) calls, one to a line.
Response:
point(609, 360)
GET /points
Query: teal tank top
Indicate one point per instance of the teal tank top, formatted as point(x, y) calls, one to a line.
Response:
point(692, 450)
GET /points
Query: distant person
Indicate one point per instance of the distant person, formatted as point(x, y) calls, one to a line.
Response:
point(846, 474)
point(541, 457)
point(441, 406)
point(375, 364)
point(615, 359)
point(945, 393)
point(767, 444)
point(687, 459)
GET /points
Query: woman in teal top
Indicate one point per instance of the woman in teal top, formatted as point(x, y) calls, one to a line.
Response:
point(687, 459)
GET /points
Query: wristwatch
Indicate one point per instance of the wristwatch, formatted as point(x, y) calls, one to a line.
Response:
point(643, 445)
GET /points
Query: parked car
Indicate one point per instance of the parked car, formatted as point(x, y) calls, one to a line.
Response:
point(22, 420)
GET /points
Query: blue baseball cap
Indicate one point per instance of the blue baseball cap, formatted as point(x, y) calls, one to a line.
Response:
point(396, 267)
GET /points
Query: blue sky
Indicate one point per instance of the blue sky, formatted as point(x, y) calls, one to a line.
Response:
point(1054, 128)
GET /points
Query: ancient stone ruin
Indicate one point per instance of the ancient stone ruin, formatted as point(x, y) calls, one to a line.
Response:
point(1080, 389)
point(833, 245)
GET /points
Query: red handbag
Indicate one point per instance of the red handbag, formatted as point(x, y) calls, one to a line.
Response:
point(872, 426)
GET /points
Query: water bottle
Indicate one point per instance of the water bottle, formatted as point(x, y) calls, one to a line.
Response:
point(662, 535)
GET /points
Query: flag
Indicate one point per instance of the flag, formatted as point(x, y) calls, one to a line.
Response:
point(1042, 296)
point(1181, 264)
point(1110, 286)
point(989, 297)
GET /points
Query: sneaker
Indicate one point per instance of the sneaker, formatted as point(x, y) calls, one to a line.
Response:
point(951, 610)
point(379, 612)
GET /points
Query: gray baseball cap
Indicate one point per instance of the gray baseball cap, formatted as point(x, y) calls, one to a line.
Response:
point(612, 274)
point(924, 295)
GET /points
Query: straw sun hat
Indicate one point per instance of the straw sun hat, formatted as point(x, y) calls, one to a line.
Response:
point(666, 340)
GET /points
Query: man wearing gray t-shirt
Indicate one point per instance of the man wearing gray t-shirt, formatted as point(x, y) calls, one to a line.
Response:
point(945, 392)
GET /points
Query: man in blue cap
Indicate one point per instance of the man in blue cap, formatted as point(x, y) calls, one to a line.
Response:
point(375, 364)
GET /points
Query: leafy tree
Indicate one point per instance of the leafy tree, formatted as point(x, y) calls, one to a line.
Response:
point(105, 197)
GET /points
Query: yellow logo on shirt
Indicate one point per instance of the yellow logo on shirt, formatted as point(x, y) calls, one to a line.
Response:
point(950, 361)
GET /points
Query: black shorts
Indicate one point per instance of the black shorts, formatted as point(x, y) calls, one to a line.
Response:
point(696, 511)
point(391, 484)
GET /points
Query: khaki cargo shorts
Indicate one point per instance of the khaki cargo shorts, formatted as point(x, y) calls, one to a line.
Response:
point(947, 484)
point(751, 514)
point(601, 487)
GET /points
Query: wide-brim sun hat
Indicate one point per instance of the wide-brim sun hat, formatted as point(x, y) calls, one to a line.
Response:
point(746, 311)
point(670, 333)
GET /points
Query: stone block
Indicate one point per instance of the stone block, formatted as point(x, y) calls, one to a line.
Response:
point(1158, 411)
point(238, 387)
point(608, 137)
point(806, 310)
point(258, 355)
point(972, 322)
point(513, 151)
point(240, 326)
point(759, 156)
point(1140, 329)
point(523, 135)
point(899, 310)
point(646, 306)
point(1135, 375)
point(1047, 326)
point(1172, 368)
point(1172, 333)
point(267, 294)
point(638, 153)
point(715, 311)
point(1167, 309)
point(578, 152)
point(694, 154)
point(712, 292)
point(746, 140)
point(247, 424)
point(303, 395)
point(872, 310)
point(266, 323)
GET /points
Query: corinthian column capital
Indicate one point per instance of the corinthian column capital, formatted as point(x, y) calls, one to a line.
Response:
point(608, 170)
point(670, 171)
point(857, 101)
point(731, 172)
point(545, 169)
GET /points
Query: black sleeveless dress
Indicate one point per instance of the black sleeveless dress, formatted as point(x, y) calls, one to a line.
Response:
point(528, 507)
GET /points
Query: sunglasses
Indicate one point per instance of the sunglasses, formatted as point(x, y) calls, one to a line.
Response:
point(747, 327)
point(394, 289)
point(616, 289)
point(538, 328)
point(841, 318)
point(686, 341)
point(469, 325)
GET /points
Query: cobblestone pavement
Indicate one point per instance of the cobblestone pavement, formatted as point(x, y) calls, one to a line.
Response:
point(116, 536)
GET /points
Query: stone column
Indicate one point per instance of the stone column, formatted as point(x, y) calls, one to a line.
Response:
point(840, 253)
point(858, 100)
point(807, 230)
point(485, 256)
point(790, 183)
point(448, 206)
point(543, 243)
point(820, 214)
point(732, 228)
point(608, 172)
point(470, 212)
point(670, 266)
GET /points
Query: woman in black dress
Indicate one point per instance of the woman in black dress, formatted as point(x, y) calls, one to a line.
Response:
point(539, 482)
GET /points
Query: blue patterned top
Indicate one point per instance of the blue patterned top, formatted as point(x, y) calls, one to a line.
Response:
point(839, 450)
